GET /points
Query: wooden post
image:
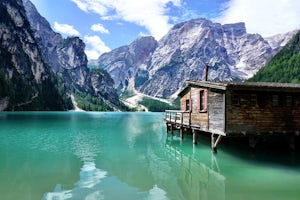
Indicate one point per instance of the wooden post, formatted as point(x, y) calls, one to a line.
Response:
point(181, 120)
point(194, 137)
point(214, 143)
point(206, 71)
point(253, 141)
point(291, 139)
point(213, 149)
point(181, 133)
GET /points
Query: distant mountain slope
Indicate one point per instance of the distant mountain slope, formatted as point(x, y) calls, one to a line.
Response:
point(285, 66)
point(128, 64)
point(26, 81)
point(68, 61)
point(232, 53)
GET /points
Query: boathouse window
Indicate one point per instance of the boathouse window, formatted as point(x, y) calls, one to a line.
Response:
point(202, 100)
point(275, 100)
point(253, 99)
point(187, 105)
point(289, 101)
point(261, 102)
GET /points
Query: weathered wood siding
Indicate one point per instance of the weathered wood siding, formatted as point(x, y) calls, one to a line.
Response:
point(198, 117)
point(216, 101)
point(245, 116)
point(195, 117)
point(186, 116)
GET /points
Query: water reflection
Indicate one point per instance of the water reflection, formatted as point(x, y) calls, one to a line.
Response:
point(90, 175)
point(114, 167)
point(94, 184)
point(122, 156)
point(87, 186)
point(197, 180)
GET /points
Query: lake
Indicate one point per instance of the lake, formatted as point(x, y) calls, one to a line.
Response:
point(103, 155)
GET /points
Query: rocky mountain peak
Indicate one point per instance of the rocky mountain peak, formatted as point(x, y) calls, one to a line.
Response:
point(125, 63)
point(71, 53)
point(236, 29)
point(279, 40)
point(232, 53)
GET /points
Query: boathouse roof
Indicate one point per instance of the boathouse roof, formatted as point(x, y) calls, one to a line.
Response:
point(250, 86)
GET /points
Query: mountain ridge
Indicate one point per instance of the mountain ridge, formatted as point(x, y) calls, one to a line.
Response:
point(284, 66)
point(233, 55)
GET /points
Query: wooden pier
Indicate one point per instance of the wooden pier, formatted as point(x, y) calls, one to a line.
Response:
point(182, 121)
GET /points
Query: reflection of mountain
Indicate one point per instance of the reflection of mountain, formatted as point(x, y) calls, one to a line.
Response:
point(95, 184)
point(197, 181)
point(90, 178)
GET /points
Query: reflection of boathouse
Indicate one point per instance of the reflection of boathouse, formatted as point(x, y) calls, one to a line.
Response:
point(238, 109)
point(200, 181)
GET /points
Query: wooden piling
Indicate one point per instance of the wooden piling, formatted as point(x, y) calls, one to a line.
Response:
point(181, 133)
point(213, 148)
point(291, 141)
point(215, 142)
point(172, 132)
point(194, 137)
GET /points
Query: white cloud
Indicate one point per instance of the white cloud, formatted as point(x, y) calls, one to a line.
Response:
point(95, 47)
point(66, 29)
point(151, 14)
point(100, 28)
point(266, 17)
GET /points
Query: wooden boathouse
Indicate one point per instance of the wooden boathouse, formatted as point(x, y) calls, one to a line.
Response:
point(237, 109)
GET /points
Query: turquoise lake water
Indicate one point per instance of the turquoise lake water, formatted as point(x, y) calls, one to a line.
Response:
point(93, 155)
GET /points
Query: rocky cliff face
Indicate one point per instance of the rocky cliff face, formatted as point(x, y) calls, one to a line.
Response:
point(26, 80)
point(232, 54)
point(68, 61)
point(128, 64)
point(280, 40)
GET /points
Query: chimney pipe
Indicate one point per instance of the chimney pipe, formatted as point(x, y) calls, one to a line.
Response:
point(206, 71)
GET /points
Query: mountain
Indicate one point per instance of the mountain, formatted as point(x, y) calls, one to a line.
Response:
point(27, 82)
point(128, 64)
point(280, 40)
point(68, 62)
point(232, 54)
point(285, 66)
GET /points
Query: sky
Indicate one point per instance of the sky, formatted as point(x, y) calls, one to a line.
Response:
point(107, 24)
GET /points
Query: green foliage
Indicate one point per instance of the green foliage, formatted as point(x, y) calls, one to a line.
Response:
point(284, 67)
point(27, 95)
point(176, 103)
point(127, 94)
point(99, 70)
point(89, 103)
point(156, 105)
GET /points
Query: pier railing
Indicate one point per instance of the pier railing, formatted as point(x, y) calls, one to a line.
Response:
point(178, 117)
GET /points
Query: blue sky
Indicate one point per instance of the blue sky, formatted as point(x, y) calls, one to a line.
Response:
point(107, 24)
